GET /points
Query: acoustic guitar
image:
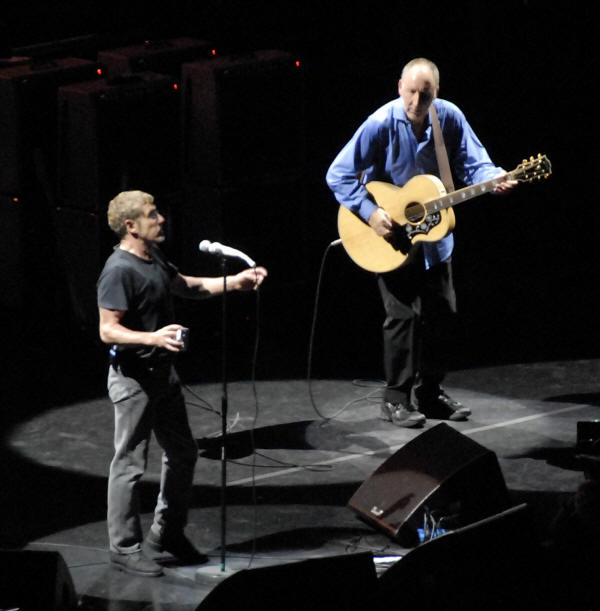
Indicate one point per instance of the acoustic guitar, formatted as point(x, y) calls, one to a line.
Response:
point(421, 211)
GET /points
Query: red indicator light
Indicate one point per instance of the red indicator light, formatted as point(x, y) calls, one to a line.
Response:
point(175, 86)
point(213, 52)
point(297, 63)
point(99, 71)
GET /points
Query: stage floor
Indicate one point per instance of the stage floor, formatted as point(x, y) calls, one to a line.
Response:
point(290, 481)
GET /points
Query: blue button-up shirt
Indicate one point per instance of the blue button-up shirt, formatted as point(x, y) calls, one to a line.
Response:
point(385, 148)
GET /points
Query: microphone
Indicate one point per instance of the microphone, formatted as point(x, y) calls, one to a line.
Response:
point(215, 248)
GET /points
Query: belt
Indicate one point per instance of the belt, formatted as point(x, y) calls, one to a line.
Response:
point(133, 365)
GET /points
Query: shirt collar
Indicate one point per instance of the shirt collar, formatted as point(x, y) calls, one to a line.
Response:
point(399, 113)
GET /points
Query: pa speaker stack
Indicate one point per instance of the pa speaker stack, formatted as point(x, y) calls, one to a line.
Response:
point(28, 132)
point(28, 118)
point(244, 156)
point(162, 56)
point(117, 134)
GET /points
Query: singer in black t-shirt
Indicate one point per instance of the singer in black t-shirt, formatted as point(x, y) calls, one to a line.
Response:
point(137, 320)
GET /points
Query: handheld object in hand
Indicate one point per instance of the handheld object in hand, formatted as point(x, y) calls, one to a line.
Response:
point(183, 335)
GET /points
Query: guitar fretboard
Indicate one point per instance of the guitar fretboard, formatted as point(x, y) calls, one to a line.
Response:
point(466, 193)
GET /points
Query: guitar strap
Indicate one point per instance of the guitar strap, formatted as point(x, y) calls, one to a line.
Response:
point(440, 151)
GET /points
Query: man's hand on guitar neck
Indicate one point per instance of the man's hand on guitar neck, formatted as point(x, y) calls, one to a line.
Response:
point(381, 222)
point(505, 185)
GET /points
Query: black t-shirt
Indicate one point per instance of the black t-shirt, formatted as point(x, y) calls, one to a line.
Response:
point(141, 289)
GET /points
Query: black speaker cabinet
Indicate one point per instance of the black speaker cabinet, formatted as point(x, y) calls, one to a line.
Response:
point(27, 252)
point(163, 56)
point(118, 134)
point(84, 242)
point(28, 116)
point(495, 563)
point(442, 471)
point(266, 221)
point(244, 119)
point(346, 583)
point(32, 580)
point(13, 253)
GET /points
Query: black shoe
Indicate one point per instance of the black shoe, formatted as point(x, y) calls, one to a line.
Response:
point(443, 407)
point(136, 564)
point(408, 417)
point(176, 545)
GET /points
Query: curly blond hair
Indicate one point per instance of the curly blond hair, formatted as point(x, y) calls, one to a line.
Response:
point(126, 205)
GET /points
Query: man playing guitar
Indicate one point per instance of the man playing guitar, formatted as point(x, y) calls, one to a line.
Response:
point(396, 144)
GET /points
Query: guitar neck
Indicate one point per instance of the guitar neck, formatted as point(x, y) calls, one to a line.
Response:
point(466, 193)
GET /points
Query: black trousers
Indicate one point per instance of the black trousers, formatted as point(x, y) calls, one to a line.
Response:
point(419, 328)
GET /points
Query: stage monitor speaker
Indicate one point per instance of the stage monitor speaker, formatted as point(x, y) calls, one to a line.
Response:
point(32, 581)
point(28, 117)
point(244, 119)
point(346, 583)
point(115, 135)
point(162, 56)
point(495, 563)
point(441, 473)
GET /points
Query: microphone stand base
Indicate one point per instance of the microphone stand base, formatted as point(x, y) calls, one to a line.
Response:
point(213, 574)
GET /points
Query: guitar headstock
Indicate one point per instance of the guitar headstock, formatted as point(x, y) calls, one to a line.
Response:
point(534, 168)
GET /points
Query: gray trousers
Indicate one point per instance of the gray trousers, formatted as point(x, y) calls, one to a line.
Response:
point(144, 402)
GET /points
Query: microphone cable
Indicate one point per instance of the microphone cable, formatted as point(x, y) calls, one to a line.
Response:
point(253, 464)
point(377, 384)
point(252, 427)
point(312, 334)
point(206, 406)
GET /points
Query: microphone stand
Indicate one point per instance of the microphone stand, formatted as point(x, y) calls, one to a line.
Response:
point(224, 407)
point(210, 574)
point(209, 571)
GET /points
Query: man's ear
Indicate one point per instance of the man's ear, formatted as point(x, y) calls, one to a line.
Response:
point(130, 226)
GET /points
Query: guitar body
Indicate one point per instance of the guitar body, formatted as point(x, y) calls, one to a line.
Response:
point(413, 223)
point(421, 212)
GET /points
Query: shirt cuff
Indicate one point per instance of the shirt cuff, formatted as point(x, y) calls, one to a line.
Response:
point(366, 209)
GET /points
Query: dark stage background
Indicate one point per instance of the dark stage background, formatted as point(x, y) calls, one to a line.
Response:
point(525, 265)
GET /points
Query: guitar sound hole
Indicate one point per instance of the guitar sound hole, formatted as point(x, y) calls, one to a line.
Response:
point(415, 213)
